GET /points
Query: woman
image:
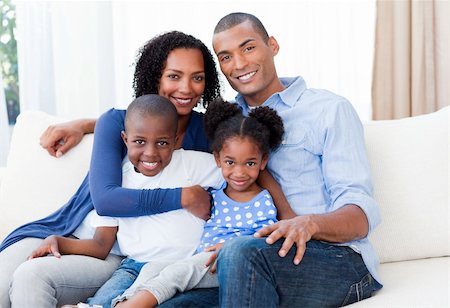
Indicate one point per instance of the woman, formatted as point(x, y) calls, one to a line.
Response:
point(175, 65)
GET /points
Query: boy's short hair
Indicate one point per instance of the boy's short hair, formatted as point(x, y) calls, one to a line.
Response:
point(152, 105)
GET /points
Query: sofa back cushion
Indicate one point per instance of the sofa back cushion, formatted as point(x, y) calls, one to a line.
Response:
point(34, 183)
point(409, 160)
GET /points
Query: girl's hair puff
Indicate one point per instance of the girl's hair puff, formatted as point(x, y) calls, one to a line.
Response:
point(272, 121)
point(224, 120)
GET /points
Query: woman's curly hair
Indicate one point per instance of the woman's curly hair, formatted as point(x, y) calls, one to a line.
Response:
point(224, 120)
point(151, 60)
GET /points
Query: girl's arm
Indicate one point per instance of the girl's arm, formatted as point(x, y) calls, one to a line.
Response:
point(105, 179)
point(267, 181)
point(98, 247)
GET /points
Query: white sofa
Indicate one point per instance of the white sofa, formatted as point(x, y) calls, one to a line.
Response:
point(410, 164)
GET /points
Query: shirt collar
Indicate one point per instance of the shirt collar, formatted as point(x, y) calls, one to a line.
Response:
point(294, 88)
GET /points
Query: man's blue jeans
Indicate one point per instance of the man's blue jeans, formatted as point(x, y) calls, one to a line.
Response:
point(251, 274)
point(120, 280)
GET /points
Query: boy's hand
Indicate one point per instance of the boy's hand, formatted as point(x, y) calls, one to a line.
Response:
point(213, 257)
point(48, 246)
point(197, 201)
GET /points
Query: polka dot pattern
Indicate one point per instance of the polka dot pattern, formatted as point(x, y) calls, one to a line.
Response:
point(231, 219)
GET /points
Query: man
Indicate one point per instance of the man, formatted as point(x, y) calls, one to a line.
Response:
point(322, 257)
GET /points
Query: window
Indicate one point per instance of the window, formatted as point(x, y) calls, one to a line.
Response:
point(8, 59)
point(9, 84)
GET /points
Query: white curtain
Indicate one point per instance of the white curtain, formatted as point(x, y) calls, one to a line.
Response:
point(75, 58)
point(4, 126)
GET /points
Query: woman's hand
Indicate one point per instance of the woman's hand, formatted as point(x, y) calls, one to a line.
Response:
point(59, 138)
point(48, 246)
point(197, 201)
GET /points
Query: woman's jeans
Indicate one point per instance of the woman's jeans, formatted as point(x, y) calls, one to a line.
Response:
point(251, 274)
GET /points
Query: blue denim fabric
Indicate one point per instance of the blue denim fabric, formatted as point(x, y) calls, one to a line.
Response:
point(196, 298)
point(120, 280)
point(251, 274)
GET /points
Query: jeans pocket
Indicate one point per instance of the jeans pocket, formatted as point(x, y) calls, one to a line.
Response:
point(359, 291)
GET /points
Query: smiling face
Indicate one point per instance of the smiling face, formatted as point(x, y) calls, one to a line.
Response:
point(150, 140)
point(183, 79)
point(247, 61)
point(241, 161)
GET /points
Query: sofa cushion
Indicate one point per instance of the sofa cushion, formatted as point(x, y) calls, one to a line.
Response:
point(409, 160)
point(34, 183)
point(417, 283)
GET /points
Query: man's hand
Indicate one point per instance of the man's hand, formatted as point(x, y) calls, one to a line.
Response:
point(213, 257)
point(298, 230)
point(48, 246)
point(197, 201)
point(59, 138)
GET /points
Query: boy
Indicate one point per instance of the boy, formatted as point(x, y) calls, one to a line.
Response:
point(152, 162)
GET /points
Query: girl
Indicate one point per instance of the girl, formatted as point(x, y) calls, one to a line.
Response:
point(241, 146)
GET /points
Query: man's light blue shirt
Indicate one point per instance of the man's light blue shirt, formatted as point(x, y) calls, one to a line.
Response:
point(322, 163)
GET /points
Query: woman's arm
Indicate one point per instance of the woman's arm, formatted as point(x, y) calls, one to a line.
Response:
point(267, 181)
point(59, 138)
point(97, 247)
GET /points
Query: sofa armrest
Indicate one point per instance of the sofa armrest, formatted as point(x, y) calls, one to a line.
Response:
point(35, 184)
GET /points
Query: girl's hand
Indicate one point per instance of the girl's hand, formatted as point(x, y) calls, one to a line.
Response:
point(48, 246)
point(213, 257)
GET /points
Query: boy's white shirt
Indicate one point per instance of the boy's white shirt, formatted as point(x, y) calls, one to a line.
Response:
point(168, 236)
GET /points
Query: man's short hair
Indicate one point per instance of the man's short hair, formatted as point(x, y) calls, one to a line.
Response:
point(234, 19)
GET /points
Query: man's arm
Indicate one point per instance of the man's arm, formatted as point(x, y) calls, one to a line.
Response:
point(59, 138)
point(343, 225)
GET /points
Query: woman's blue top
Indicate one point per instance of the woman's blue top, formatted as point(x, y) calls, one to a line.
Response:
point(101, 189)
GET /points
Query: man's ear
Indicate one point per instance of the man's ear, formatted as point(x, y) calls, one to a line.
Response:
point(264, 161)
point(217, 158)
point(273, 44)
point(123, 134)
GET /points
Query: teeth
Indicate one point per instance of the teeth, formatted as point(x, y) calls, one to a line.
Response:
point(246, 76)
point(148, 164)
point(184, 101)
